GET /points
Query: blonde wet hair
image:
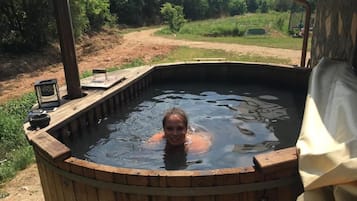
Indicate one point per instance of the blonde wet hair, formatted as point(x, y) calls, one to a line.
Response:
point(175, 111)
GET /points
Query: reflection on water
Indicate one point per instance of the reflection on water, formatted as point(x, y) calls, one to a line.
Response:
point(255, 148)
point(244, 120)
point(250, 111)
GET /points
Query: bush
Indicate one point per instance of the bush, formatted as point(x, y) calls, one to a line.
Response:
point(173, 15)
point(98, 13)
point(223, 31)
point(24, 25)
point(30, 25)
point(252, 6)
point(263, 7)
point(237, 7)
point(12, 117)
point(15, 152)
point(17, 160)
point(279, 23)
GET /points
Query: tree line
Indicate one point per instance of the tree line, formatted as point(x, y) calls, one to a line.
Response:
point(28, 25)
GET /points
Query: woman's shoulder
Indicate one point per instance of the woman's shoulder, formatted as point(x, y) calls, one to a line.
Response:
point(156, 137)
point(200, 142)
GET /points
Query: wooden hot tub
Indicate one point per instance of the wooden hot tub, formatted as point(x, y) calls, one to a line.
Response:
point(274, 175)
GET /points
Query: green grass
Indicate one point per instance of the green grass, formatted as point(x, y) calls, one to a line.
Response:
point(15, 151)
point(189, 54)
point(230, 30)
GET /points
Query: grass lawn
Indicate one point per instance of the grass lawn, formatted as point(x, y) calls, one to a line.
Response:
point(189, 54)
point(233, 29)
point(15, 152)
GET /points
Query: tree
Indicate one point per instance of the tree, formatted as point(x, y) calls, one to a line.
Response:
point(237, 7)
point(173, 15)
point(195, 9)
point(24, 25)
point(252, 6)
point(80, 20)
point(217, 8)
point(98, 13)
point(263, 6)
point(151, 12)
point(128, 11)
point(282, 5)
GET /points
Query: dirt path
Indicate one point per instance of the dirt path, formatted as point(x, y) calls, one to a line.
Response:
point(147, 37)
point(26, 185)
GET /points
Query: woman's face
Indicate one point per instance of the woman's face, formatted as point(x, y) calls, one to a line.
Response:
point(175, 130)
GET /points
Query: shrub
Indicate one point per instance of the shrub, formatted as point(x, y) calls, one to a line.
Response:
point(279, 23)
point(24, 25)
point(173, 15)
point(98, 13)
point(15, 152)
point(263, 7)
point(237, 7)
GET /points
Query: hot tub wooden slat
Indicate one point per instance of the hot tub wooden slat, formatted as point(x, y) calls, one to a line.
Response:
point(184, 180)
point(249, 175)
point(59, 186)
point(272, 194)
point(227, 177)
point(122, 98)
point(120, 178)
point(105, 110)
point(90, 116)
point(117, 102)
point(51, 185)
point(92, 193)
point(200, 181)
point(105, 194)
point(137, 179)
point(80, 167)
point(158, 181)
point(111, 106)
point(98, 113)
point(68, 188)
point(51, 147)
point(83, 123)
point(74, 127)
point(282, 193)
point(43, 177)
point(285, 191)
point(79, 188)
point(52, 181)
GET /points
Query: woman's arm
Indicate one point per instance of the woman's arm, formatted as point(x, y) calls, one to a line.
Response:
point(156, 138)
point(200, 142)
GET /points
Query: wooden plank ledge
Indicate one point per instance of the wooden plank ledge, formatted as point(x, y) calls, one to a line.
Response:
point(50, 146)
point(280, 159)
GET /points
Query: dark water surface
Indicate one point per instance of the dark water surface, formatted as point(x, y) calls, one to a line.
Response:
point(244, 121)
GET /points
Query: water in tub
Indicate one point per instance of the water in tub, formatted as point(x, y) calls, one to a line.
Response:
point(243, 120)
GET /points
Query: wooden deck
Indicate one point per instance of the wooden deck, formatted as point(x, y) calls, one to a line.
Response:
point(69, 108)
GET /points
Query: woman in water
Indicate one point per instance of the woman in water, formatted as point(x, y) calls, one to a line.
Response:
point(177, 134)
point(179, 140)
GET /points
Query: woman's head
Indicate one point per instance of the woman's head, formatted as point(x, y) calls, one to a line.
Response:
point(175, 126)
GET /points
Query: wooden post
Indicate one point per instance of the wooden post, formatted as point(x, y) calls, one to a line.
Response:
point(354, 56)
point(69, 59)
point(306, 30)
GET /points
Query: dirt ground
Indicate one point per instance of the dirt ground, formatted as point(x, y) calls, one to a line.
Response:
point(17, 76)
